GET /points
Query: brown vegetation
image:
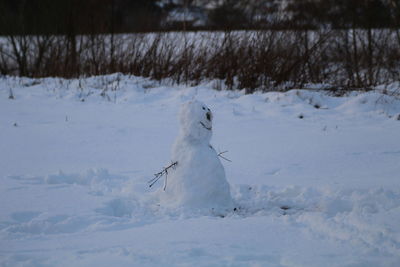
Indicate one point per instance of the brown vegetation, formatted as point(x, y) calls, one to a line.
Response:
point(253, 60)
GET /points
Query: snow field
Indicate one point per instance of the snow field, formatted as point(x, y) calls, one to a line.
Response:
point(74, 175)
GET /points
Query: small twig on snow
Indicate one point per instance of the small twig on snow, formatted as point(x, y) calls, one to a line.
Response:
point(220, 155)
point(160, 174)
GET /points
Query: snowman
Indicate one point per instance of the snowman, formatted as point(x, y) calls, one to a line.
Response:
point(196, 179)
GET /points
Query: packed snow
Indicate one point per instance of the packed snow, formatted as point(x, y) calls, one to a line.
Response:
point(314, 177)
point(197, 180)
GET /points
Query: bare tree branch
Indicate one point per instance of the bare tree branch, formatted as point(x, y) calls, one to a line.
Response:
point(220, 155)
point(160, 174)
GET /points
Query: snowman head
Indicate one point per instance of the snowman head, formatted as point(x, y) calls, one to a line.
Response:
point(196, 121)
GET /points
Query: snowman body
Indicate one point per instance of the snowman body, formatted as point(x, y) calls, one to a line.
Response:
point(198, 180)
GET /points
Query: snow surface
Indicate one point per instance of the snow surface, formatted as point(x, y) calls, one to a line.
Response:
point(76, 156)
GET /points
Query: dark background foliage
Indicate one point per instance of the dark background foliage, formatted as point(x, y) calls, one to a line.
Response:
point(245, 44)
point(109, 16)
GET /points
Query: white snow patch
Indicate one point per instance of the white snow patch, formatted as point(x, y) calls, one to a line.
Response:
point(320, 190)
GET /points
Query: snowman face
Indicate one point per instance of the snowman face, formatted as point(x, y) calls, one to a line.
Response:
point(196, 120)
point(206, 118)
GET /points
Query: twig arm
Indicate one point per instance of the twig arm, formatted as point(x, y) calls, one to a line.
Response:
point(220, 155)
point(160, 174)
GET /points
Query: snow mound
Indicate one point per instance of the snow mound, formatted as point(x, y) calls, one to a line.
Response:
point(367, 218)
point(338, 213)
point(99, 180)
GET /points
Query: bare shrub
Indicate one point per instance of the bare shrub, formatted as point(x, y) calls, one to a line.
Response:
point(251, 60)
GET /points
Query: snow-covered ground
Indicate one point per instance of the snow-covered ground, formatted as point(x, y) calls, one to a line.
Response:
point(76, 155)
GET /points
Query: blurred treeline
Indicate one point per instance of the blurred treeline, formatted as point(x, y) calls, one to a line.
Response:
point(254, 44)
point(116, 16)
point(77, 16)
